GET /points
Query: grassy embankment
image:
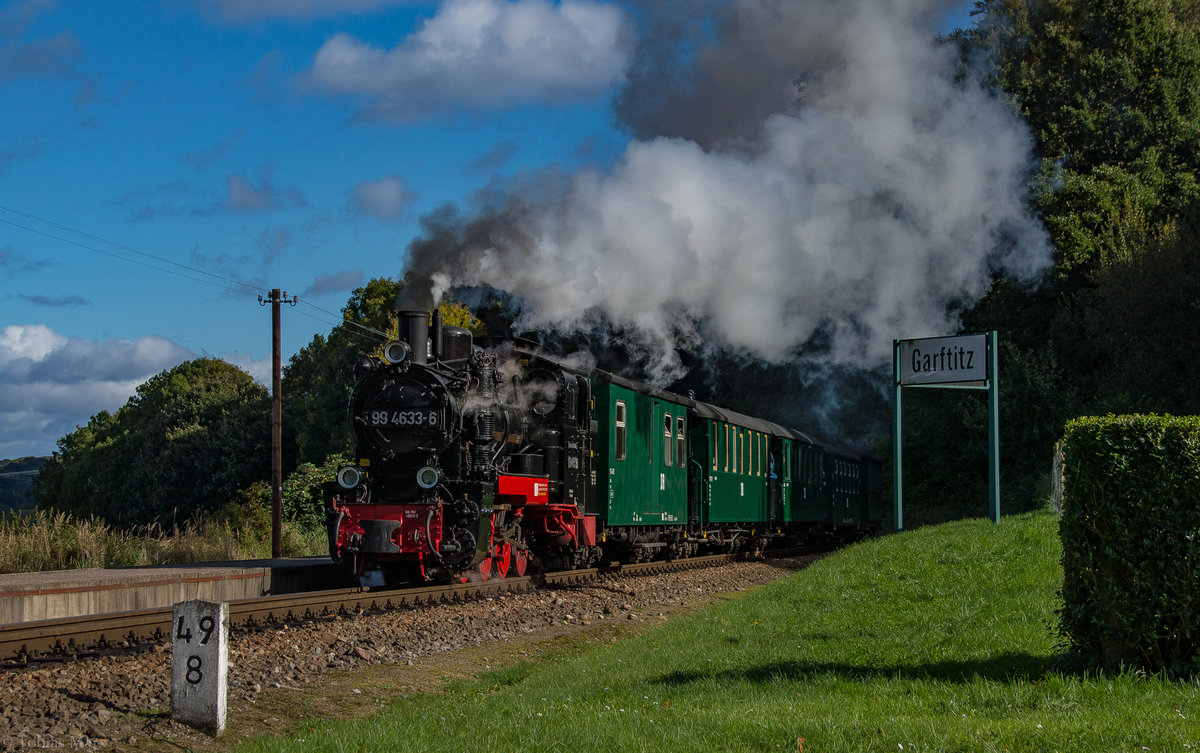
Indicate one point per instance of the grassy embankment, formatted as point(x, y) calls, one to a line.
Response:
point(940, 639)
point(54, 541)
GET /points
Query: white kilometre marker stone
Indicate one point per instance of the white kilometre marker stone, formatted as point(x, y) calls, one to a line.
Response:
point(200, 665)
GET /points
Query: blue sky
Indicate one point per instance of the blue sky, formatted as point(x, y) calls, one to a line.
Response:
point(276, 143)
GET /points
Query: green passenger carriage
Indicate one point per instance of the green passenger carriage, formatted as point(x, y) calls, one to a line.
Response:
point(679, 473)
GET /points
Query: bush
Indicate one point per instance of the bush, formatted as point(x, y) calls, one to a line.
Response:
point(302, 493)
point(183, 444)
point(1130, 530)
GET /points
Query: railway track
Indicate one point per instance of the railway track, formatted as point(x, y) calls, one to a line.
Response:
point(75, 637)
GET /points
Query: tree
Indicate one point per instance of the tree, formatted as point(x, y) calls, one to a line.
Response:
point(186, 442)
point(1111, 89)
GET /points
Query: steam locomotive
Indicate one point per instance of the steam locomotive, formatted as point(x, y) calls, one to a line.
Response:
point(476, 461)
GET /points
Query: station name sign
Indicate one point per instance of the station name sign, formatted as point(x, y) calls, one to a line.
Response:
point(944, 360)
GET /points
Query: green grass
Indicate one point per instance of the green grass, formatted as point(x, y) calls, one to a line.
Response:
point(937, 639)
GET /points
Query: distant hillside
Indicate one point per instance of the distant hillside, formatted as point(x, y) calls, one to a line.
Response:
point(16, 483)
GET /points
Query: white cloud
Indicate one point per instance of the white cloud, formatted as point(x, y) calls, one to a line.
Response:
point(387, 198)
point(482, 53)
point(259, 368)
point(34, 342)
point(49, 384)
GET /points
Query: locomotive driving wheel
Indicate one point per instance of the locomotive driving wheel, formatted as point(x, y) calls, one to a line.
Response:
point(502, 556)
point(521, 561)
point(480, 571)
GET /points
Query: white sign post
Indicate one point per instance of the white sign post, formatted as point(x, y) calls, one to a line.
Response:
point(965, 362)
point(200, 665)
point(944, 361)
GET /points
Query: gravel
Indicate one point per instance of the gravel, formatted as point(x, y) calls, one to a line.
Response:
point(123, 702)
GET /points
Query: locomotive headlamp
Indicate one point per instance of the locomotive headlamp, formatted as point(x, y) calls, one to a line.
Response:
point(396, 351)
point(349, 477)
point(428, 477)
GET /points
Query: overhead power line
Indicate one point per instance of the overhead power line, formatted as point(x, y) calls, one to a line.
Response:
point(221, 280)
point(89, 241)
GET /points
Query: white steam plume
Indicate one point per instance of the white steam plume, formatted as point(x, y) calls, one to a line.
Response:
point(892, 190)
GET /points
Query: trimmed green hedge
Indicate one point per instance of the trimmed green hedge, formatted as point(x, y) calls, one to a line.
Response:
point(1131, 541)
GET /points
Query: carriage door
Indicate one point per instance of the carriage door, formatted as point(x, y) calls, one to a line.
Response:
point(775, 476)
point(668, 464)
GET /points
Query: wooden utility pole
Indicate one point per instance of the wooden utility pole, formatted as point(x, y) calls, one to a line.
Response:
point(274, 298)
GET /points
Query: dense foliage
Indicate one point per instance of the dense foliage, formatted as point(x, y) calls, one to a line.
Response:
point(1111, 90)
point(1131, 547)
point(186, 442)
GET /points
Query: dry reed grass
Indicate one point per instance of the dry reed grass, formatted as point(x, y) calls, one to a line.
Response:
point(40, 541)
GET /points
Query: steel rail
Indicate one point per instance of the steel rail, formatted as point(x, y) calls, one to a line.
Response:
point(72, 637)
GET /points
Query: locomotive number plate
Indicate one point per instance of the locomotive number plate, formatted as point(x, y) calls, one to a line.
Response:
point(402, 418)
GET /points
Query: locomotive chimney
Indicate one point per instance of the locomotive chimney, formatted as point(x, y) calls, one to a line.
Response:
point(414, 328)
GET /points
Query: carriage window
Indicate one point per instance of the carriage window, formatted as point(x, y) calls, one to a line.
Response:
point(680, 446)
point(740, 458)
point(726, 447)
point(715, 445)
point(668, 442)
point(620, 432)
point(749, 468)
